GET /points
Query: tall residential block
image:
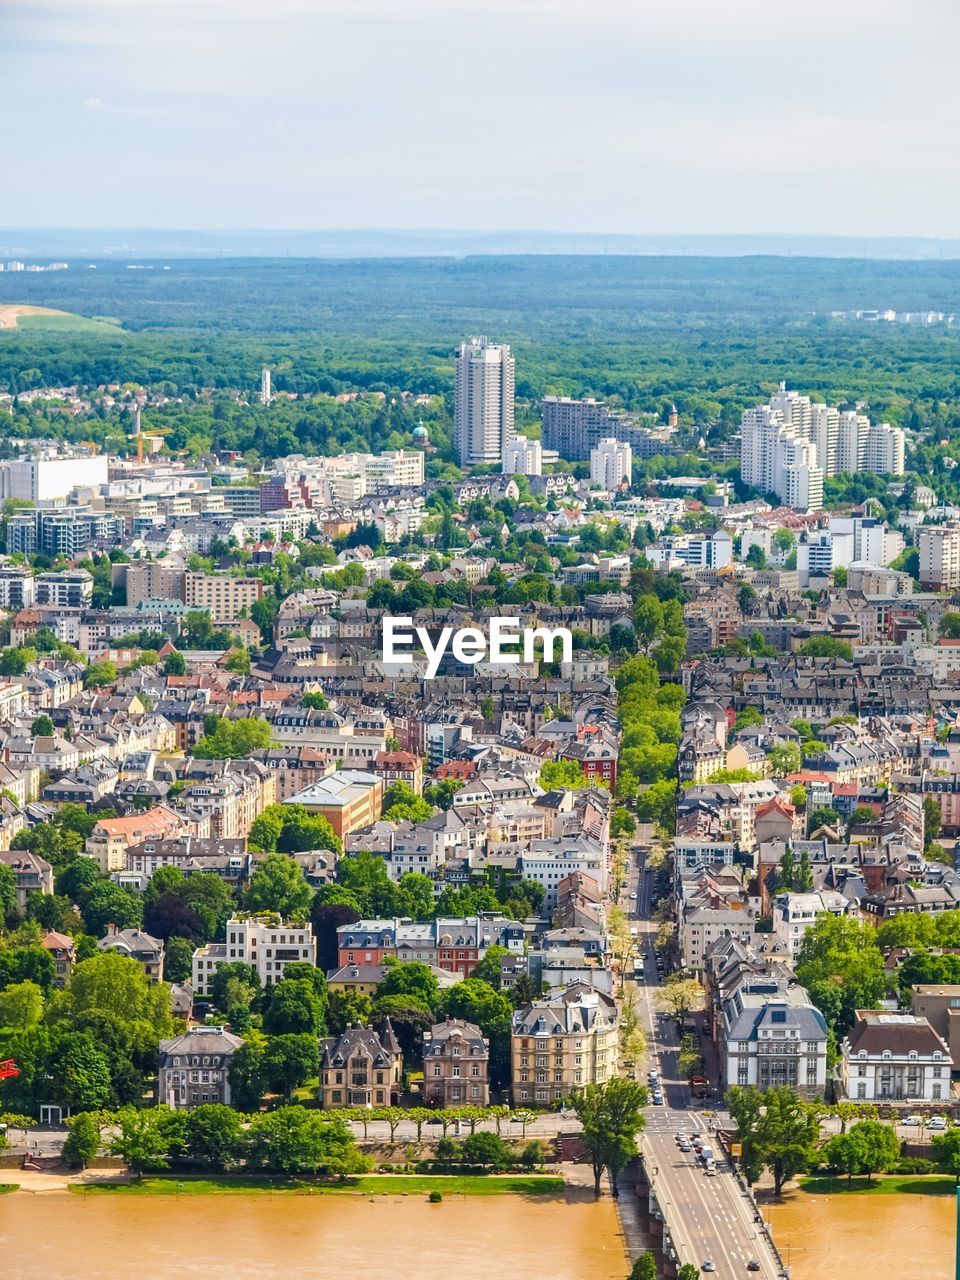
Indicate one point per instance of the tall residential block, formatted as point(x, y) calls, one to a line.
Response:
point(611, 462)
point(790, 444)
point(483, 402)
point(523, 457)
point(939, 547)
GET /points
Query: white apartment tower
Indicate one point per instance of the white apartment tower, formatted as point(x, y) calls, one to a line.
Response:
point(523, 457)
point(266, 391)
point(483, 402)
point(611, 462)
point(884, 453)
point(939, 547)
point(774, 459)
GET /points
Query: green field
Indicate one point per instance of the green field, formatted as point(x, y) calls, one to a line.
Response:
point(388, 1184)
point(882, 1185)
point(68, 323)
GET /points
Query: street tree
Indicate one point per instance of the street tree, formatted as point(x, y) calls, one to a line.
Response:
point(611, 1116)
point(680, 997)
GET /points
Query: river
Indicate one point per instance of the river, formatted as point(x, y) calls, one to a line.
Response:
point(57, 1236)
point(866, 1237)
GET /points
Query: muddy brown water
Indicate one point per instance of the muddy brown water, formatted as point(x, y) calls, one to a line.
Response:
point(866, 1237)
point(59, 1236)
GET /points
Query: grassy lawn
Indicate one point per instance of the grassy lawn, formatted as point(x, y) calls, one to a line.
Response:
point(386, 1184)
point(884, 1185)
point(6, 1187)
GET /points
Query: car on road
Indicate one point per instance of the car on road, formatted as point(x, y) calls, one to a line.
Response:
point(685, 1147)
point(658, 1099)
point(711, 1171)
point(753, 1265)
point(911, 1121)
point(681, 1136)
point(937, 1122)
point(708, 1266)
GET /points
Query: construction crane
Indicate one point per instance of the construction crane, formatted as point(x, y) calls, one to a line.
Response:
point(140, 435)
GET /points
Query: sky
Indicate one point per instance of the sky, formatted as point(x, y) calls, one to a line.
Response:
point(635, 116)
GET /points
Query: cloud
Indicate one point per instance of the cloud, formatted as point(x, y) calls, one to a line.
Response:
point(579, 114)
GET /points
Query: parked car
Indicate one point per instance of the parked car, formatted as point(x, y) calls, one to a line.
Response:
point(937, 1122)
point(912, 1121)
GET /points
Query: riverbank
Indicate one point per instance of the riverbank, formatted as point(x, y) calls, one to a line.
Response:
point(882, 1185)
point(374, 1185)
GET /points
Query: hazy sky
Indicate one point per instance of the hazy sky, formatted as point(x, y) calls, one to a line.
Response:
point(835, 116)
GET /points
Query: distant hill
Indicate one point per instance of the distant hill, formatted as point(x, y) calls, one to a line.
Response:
point(131, 244)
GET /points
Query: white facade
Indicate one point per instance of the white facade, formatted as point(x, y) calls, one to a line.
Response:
point(895, 1057)
point(483, 401)
point(939, 547)
point(264, 944)
point(772, 460)
point(47, 479)
point(523, 457)
point(795, 913)
point(611, 462)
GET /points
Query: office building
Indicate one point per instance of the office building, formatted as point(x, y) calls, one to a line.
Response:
point(50, 479)
point(611, 464)
point(483, 402)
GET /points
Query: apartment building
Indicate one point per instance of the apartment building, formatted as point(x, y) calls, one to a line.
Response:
point(483, 414)
point(349, 799)
point(611, 464)
point(574, 427)
point(561, 1043)
point(109, 840)
point(939, 547)
point(456, 1061)
point(18, 588)
point(221, 595)
point(265, 942)
point(523, 457)
point(455, 944)
point(230, 793)
point(151, 580)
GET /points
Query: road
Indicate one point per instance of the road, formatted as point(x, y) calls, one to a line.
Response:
point(710, 1218)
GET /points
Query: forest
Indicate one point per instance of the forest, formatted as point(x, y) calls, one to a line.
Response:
point(712, 335)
